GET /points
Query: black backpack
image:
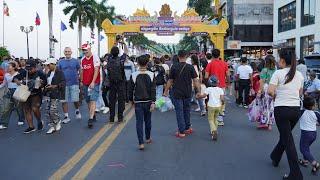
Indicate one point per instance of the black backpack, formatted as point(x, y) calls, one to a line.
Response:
point(115, 68)
point(160, 75)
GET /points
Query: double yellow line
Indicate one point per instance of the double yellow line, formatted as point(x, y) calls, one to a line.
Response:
point(96, 156)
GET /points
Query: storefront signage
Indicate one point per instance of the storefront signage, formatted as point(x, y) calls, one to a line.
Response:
point(234, 45)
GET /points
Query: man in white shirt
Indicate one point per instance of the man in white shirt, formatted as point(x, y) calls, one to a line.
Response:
point(244, 74)
point(301, 67)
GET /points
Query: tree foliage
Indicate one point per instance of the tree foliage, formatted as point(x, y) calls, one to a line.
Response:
point(4, 53)
point(202, 7)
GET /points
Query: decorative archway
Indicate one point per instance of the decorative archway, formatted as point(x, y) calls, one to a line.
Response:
point(166, 24)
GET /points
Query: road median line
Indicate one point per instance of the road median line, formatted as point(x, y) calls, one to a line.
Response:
point(75, 159)
point(100, 151)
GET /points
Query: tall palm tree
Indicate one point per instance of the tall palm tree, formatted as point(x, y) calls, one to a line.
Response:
point(50, 16)
point(82, 12)
point(103, 12)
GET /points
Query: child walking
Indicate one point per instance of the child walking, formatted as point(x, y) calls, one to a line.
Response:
point(216, 100)
point(308, 126)
point(142, 92)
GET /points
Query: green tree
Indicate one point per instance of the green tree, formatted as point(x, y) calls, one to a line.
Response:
point(103, 11)
point(82, 12)
point(188, 43)
point(202, 7)
point(3, 53)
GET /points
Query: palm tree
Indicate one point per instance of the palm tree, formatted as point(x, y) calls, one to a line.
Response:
point(102, 12)
point(82, 12)
point(50, 16)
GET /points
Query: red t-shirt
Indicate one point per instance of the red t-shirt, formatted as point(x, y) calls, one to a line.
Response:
point(218, 68)
point(1, 75)
point(88, 66)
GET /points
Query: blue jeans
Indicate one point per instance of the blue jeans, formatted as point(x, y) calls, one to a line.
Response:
point(159, 91)
point(306, 140)
point(143, 113)
point(182, 108)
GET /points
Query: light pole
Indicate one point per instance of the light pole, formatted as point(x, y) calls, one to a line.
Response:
point(27, 30)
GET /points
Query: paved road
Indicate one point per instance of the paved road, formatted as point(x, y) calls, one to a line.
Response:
point(110, 152)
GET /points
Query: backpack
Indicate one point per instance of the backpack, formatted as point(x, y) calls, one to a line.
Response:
point(160, 74)
point(115, 69)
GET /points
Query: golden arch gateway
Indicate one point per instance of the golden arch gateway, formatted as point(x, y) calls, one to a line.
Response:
point(166, 23)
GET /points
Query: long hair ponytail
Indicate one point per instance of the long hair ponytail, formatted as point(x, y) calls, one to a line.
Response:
point(288, 55)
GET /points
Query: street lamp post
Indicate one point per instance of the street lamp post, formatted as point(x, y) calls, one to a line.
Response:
point(27, 30)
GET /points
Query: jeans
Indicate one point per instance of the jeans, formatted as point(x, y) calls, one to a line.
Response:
point(117, 93)
point(182, 107)
point(286, 119)
point(8, 105)
point(159, 91)
point(306, 140)
point(201, 104)
point(143, 113)
point(244, 87)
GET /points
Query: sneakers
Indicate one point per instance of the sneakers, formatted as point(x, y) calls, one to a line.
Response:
point(111, 120)
point(29, 130)
point(40, 125)
point(180, 135)
point(66, 120)
point(203, 113)
point(188, 131)
point(197, 110)
point(58, 126)
point(245, 106)
point(3, 127)
point(214, 135)
point(78, 115)
point(106, 110)
point(141, 147)
point(220, 123)
point(20, 123)
point(90, 123)
point(51, 130)
point(149, 141)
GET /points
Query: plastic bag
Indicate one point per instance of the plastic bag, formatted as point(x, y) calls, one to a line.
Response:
point(255, 110)
point(164, 104)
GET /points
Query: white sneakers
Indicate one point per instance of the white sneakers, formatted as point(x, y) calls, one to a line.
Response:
point(105, 110)
point(20, 123)
point(3, 127)
point(78, 115)
point(54, 128)
point(66, 120)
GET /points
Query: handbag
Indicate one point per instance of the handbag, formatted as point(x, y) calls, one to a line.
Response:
point(22, 93)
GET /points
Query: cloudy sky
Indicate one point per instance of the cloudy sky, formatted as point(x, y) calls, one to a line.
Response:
point(23, 12)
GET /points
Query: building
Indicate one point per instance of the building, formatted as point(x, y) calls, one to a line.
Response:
point(297, 25)
point(251, 27)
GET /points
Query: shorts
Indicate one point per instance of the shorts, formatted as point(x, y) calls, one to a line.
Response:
point(94, 93)
point(72, 94)
point(34, 101)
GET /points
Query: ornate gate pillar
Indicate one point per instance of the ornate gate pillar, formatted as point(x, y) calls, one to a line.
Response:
point(111, 40)
point(218, 40)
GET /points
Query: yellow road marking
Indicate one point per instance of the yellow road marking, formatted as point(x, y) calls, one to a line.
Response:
point(97, 155)
point(74, 160)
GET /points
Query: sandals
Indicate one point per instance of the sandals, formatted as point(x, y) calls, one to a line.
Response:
point(315, 168)
point(303, 163)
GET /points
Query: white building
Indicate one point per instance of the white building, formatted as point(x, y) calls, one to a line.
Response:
point(297, 25)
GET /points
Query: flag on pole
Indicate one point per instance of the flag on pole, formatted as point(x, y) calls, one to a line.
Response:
point(92, 35)
point(5, 9)
point(101, 38)
point(38, 21)
point(63, 27)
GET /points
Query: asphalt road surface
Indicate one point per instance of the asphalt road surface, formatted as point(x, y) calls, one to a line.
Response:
point(110, 151)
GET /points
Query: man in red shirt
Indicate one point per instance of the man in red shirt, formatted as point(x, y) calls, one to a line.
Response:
point(219, 68)
point(90, 80)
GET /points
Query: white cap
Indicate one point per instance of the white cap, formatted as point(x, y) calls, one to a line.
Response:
point(50, 61)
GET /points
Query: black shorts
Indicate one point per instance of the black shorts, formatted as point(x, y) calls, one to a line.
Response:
point(34, 101)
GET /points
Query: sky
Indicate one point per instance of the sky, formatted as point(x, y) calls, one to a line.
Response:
point(23, 13)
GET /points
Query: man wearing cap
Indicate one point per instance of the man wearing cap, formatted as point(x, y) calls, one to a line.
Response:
point(35, 80)
point(70, 67)
point(55, 90)
point(90, 80)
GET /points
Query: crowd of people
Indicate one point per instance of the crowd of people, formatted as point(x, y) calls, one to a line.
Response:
point(273, 93)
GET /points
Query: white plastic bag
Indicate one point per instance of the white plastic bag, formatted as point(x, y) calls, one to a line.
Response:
point(22, 93)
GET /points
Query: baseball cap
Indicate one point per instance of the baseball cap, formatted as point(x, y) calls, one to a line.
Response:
point(50, 61)
point(31, 64)
point(85, 46)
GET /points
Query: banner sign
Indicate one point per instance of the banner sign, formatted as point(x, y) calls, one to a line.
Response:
point(130, 33)
point(199, 34)
point(165, 29)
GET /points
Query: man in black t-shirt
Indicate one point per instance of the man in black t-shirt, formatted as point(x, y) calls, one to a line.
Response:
point(181, 77)
point(35, 82)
